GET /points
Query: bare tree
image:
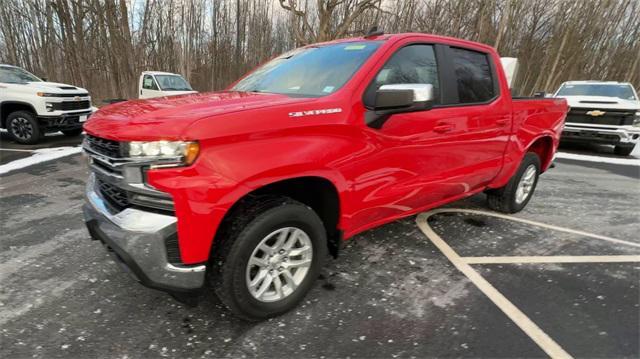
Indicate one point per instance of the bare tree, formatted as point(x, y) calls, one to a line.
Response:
point(103, 45)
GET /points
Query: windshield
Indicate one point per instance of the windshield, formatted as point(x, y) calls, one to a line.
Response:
point(172, 83)
point(623, 91)
point(16, 75)
point(311, 71)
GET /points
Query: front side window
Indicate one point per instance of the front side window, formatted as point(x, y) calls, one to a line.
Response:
point(472, 71)
point(413, 64)
point(148, 83)
point(310, 71)
point(15, 75)
point(172, 83)
point(622, 91)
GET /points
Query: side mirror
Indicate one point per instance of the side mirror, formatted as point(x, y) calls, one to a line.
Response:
point(398, 98)
point(540, 94)
point(403, 96)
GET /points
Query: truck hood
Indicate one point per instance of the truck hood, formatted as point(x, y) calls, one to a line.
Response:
point(169, 117)
point(175, 93)
point(601, 102)
point(53, 87)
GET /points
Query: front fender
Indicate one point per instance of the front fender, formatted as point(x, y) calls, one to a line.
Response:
point(224, 173)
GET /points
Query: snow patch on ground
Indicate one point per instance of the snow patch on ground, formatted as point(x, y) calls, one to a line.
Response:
point(39, 156)
point(589, 158)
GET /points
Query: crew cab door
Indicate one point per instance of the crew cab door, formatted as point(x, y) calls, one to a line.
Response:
point(425, 158)
point(476, 102)
point(149, 87)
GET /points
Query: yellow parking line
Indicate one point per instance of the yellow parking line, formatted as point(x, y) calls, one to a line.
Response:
point(550, 259)
point(545, 342)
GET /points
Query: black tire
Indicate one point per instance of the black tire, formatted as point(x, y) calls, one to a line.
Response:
point(623, 150)
point(72, 133)
point(23, 127)
point(505, 199)
point(242, 233)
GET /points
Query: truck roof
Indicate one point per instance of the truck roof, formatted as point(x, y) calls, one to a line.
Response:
point(596, 82)
point(159, 73)
point(426, 37)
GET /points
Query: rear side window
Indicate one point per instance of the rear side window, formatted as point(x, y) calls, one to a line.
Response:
point(148, 83)
point(413, 64)
point(473, 74)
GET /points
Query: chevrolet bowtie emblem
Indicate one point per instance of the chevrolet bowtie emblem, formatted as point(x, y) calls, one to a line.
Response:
point(596, 113)
point(77, 98)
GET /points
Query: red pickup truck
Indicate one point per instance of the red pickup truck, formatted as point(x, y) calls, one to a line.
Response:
point(250, 188)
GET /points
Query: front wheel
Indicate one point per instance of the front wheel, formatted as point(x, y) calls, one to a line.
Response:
point(516, 194)
point(23, 127)
point(272, 252)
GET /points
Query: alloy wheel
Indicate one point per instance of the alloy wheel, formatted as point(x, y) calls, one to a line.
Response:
point(525, 185)
point(21, 128)
point(279, 264)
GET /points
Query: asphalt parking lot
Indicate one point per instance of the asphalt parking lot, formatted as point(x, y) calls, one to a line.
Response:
point(566, 278)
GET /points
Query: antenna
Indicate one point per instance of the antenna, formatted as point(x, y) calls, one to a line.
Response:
point(373, 31)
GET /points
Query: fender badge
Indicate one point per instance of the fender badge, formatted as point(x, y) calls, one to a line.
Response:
point(323, 111)
point(596, 113)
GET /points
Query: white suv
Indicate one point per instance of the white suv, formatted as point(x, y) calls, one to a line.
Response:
point(31, 107)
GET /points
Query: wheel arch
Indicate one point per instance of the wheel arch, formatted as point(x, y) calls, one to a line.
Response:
point(318, 192)
point(7, 107)
point(543, 146)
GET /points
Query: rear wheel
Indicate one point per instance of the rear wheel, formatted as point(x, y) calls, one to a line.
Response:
point(23, 127)
point(623, 150)
point(516, 194)
point(72, 133)
point(272, 252)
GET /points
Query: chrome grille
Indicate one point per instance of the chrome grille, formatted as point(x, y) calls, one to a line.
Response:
point(103, 146)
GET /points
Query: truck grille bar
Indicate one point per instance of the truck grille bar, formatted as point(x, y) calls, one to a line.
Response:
point(610, 117)
point(117, 197)
point(103, 146)
point(71, 105)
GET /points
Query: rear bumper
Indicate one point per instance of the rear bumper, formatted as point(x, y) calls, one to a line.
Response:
point(615, 135)
point(136, 238)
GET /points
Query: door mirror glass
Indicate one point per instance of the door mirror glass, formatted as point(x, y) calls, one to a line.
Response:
point(403, 97)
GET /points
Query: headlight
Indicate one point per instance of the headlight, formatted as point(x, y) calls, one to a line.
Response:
point(165, 153)
point(636, 120)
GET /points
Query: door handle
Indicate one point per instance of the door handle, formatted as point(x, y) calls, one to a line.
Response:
point(502, 121)
point(443, 127)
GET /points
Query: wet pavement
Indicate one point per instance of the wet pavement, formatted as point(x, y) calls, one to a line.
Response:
point(11, 151)
point(391, 293)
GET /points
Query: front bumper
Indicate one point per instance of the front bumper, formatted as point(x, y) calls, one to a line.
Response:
point(64, 121)
point(623, 135)
point(137, 240)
